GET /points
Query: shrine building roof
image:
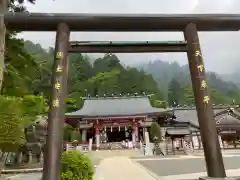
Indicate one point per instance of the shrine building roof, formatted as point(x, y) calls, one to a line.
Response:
point(227, 116)
point(116, 107)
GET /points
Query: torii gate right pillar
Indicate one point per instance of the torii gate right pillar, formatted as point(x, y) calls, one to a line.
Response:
point(212, 151)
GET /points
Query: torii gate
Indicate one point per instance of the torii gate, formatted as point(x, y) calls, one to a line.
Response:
point(189, 24)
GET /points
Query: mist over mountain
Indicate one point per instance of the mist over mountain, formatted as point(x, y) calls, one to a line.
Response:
point(164, 72)
point(233, 77)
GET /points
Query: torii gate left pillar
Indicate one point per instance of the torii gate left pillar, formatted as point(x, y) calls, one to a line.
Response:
point(54, 146)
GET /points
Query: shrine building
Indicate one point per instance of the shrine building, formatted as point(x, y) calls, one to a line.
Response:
point(185, 124)
point(115, 119)
point(111, 120)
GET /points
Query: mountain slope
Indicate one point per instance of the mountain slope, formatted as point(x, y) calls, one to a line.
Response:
point(164, 72)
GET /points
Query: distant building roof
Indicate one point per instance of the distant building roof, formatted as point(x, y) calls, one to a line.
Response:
point(220, 106)
point(228, 117)
point(115, 107)
point(190, 115)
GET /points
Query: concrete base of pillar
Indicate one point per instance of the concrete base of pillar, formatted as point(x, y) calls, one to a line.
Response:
point(226, 178)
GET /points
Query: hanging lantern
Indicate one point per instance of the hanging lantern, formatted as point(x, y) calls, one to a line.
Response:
point(119, 129)
point(111, 128)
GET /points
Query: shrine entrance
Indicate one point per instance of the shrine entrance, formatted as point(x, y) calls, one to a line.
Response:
point(118, 134)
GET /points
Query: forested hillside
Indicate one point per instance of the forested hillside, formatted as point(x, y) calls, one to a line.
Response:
point(105, 76)
point(175, 83)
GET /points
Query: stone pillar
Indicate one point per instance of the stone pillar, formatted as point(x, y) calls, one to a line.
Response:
point(137, 133)
point(30, 157)
point(41, 157)
point(148, 147)
point(84, 136)
point(97, 136)
point(162, 143)
point(134, 135)
point(144, 131)
point(20, 158)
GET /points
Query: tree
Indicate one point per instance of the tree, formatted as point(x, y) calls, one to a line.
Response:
point(68, 129)
point(156, 136)
point(188, 96)
point(175, 93)
point(16, 6)
point(21, 69)
point(155, 132)
point(107, 63)
point(2, 40)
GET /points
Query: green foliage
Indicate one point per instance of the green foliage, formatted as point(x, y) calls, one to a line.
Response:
point(188, 96)
point(21, 68)
point(174, 92)
point(67, 133)
point(15, 114)
point(103, 76)
point(157, 103)
point(11, 124)
point(71, 105)
point(155, 132)
point(32, 106)
point(76, 166)
point(167, 81)
point(76, 136)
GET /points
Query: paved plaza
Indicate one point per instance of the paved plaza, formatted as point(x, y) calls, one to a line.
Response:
point(30, 176)
point(186, 167)
point(118, 165)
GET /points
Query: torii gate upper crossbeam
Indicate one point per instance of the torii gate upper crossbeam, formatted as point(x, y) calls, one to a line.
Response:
point(121, 22)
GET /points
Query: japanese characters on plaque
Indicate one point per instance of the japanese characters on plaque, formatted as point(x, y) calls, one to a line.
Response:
point(57, 85)
point(203, 82)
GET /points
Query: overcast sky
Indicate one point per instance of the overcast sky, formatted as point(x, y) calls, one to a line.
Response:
point(219, 57)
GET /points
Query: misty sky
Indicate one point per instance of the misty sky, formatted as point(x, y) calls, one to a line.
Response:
point(219, 57)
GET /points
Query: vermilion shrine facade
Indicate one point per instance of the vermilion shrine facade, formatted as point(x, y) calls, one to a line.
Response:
point(115, 119)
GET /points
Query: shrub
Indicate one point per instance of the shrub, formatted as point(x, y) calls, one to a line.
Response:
point(76, 166)
point(15, 114)
point(11, 124)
